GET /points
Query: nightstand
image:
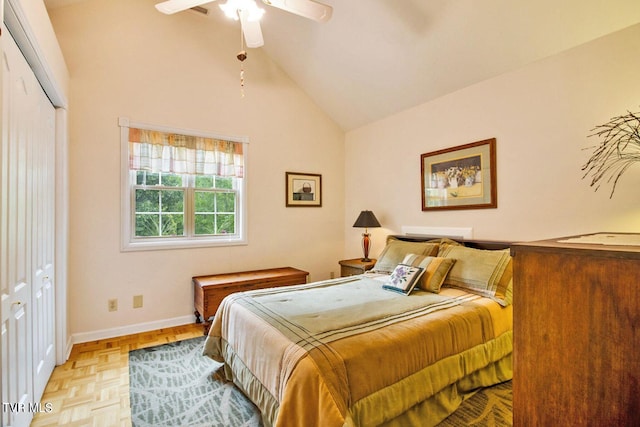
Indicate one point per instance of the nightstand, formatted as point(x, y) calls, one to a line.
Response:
point(351, 267)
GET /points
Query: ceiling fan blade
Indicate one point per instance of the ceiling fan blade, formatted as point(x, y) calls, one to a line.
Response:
point(251, 30)
point(306, 8)
point(173, 6)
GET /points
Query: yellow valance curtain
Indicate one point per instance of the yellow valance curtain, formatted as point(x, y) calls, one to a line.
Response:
point(184, 154)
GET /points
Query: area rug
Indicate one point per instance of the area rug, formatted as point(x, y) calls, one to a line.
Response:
point(489, 407)
point(174, 385)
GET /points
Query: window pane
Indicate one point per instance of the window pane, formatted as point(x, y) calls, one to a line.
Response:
point(140, 177)
point(225, 183)
point(226, 224)
point(204, 181)
point(152, 178)
point(205, 224)
point(172, 201)
point(172, 225)
point(171, 180)
point(205, 201)
point(147, 200)
point(147, 225)
point(226, 202)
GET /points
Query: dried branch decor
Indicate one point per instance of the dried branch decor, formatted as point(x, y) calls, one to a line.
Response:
point(620, 148)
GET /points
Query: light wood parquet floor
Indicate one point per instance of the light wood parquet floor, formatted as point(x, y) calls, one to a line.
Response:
point(92, 387)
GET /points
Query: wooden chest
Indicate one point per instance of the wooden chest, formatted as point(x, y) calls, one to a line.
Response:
point(209, 291)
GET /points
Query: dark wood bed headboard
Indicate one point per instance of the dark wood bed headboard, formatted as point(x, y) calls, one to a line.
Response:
point(477, 244)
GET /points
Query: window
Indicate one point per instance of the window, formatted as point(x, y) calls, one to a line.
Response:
point(180, 189)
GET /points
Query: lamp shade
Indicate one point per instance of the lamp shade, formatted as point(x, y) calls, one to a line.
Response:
point(366, 219)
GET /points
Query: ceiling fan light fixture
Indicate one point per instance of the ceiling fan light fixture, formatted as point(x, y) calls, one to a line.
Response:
point(232, 8)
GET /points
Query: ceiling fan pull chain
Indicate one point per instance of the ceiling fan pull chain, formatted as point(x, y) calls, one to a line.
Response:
point(242, 55)
point(241, 81)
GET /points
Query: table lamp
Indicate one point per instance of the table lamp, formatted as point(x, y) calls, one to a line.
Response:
point(366, 220)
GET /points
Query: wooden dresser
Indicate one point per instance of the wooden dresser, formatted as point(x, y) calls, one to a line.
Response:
point(577, 331)
point(209, 291)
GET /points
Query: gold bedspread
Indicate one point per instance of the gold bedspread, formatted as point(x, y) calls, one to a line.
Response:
point(346, 352)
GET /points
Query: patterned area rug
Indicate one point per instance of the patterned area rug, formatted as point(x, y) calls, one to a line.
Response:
point(174, 385)
point(489, 407)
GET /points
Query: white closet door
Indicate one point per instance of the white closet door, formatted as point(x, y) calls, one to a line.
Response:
point(43, 223)
point(43, 239)
point(17, 385)
point(26, 235)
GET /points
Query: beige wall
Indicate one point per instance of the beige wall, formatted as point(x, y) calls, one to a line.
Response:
point(541, 116)
point(126, 59)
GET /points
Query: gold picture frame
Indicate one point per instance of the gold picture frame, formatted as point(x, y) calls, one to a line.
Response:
point(303, 189)
point(461, 177)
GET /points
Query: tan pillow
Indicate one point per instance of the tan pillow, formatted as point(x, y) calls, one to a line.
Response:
point(485, 272)
point(396, 250)
point(435, 270)
point(445, 243)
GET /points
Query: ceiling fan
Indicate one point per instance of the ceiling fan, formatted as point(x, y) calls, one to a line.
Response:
point(249, 14)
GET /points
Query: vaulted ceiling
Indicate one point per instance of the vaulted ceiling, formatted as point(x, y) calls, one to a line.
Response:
point(378, 57)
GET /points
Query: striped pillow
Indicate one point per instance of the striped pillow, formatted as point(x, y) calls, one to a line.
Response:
point(485, 272)
point(435, 270)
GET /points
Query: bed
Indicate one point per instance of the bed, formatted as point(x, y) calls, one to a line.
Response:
point(350, 352)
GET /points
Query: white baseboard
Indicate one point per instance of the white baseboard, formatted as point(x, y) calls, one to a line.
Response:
point(67, 349)
point(130, 329)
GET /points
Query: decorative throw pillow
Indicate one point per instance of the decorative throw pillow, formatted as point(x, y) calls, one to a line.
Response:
point(403, 279)
point(485, 272)
point(395, 251)
point(435, 270)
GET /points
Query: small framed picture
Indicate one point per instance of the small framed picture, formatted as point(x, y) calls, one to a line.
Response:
point(303, 189)
point(462, 177)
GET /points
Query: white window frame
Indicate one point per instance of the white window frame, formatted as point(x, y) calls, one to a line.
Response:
point(129, 242)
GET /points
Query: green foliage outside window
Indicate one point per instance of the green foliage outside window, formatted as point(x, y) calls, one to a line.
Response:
point(215, 212)
point(160, 209)
point(159, 213)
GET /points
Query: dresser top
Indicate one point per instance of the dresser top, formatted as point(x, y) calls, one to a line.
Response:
point(612, 244)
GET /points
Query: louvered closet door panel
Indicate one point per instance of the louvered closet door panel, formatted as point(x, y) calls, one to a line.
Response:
point(17, 380)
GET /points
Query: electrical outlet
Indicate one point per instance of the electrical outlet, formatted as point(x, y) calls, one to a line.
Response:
point(137, 301)
point(113, 304)
point(332, 275)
